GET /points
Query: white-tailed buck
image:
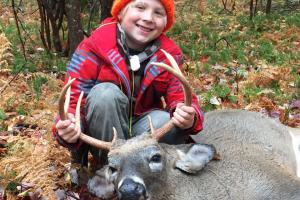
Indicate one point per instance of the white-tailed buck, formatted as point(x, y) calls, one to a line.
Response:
point(259, 159)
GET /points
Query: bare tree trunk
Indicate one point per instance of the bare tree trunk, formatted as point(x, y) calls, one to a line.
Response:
point(224, 4)
point(51, 18)
point(255, 8)
point(251, 10)
point(73, 8)
point(201, 6)
point(105, 8)
point(268, 7)
point(19, 32)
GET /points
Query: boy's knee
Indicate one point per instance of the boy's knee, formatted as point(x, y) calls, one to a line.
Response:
point(105, 95)
point(159, 118)
point(175, 136)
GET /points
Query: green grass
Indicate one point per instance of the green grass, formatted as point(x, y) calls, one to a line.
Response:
point(2, 115)
point(293, 20)
point(221, 91)
point(266, 51)
point(297, 85)
point(251, 93)
point(36, 85)
point(36, 61)
point(21, 110)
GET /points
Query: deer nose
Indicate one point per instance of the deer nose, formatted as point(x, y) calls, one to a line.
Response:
point(131, 190)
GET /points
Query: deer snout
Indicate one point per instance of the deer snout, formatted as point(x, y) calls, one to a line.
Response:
point(132, 190)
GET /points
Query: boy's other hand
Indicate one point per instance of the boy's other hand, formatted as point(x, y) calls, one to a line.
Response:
point(68, 130)
point(183, 116)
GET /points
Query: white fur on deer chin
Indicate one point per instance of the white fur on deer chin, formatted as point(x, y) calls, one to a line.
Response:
point(295, 135)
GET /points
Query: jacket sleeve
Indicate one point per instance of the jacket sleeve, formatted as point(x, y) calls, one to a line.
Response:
point(84, 67)
point(175, 95)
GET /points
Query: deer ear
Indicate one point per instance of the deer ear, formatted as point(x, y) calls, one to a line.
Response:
point(195, 158)
point(100, 185)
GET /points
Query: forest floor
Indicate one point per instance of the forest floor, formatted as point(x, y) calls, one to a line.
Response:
point(33, 165)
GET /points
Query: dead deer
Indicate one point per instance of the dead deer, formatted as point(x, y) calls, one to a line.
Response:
point(259, 160)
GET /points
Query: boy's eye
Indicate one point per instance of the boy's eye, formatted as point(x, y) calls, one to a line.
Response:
point(159, 13)
point(140, 7)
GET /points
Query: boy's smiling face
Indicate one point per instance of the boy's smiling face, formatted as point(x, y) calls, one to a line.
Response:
point(142, 21)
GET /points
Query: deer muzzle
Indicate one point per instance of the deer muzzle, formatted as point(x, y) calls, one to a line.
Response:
point(131, 190)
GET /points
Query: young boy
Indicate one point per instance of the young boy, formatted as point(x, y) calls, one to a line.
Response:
point(121, 87)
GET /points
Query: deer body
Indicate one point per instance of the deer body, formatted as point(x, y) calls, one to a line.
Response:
point(257, 162)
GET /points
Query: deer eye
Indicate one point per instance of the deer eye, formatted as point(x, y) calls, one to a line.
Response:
point(113, 169)
point(156, 158)
point(156, 163)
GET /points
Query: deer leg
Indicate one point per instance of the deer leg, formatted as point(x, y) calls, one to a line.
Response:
point(196, 158)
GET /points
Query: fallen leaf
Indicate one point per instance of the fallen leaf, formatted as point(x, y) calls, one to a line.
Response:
point(293, 123)
point(266, 91)
point(267, 104)
point(214, 101)
point(274, 113)
point(3, 150)
point(295, 104)
point(3, 141)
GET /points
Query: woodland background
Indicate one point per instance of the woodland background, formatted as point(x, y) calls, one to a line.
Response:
point(239, 54)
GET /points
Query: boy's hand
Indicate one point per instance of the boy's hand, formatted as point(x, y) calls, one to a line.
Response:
point(67, 129)
point(183, 116)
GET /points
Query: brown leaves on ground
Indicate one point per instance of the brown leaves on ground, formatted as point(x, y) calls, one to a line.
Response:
point(270, 101)
point(35, 160)
point(19, 99)
point(6, 55)
point(281, 37)
point(28, 152)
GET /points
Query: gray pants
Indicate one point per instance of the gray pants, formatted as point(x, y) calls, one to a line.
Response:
point(106, 107)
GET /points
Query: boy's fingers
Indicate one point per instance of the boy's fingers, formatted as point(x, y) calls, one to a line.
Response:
point(178, 117)
point(176, 122)
point(71, 117)
point(188, 109)
point(63, 124)
point(183, 113)
point(73, 139)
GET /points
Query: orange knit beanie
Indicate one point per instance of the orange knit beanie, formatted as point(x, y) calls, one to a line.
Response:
point(118, 5)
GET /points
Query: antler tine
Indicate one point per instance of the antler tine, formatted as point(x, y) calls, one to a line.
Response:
point(68, 95)
point(85, 138)
point(151, 125)
point(115, 135)
point(77, 112)
point(186, 87)
point(62, 103)
point(172, 61)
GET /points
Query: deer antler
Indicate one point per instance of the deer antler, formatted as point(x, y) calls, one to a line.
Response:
point(175, 70)
point(62, 108)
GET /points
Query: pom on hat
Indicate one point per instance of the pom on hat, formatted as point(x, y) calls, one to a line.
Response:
point(169, 6)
